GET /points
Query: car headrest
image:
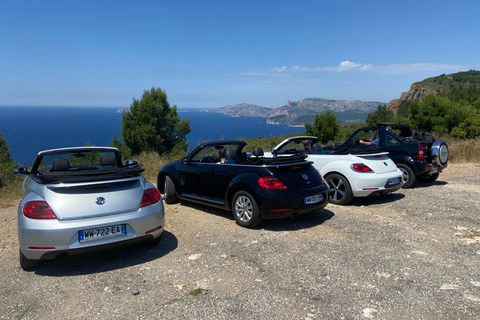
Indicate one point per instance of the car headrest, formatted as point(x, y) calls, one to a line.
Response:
point(60, 164)
point(257, 152)
point(107, 160)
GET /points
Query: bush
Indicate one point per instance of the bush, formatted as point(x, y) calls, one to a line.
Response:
point(6, 163)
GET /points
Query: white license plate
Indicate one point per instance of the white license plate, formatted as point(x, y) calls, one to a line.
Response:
point(393, 181)
point(314, 199)
point(102, 233)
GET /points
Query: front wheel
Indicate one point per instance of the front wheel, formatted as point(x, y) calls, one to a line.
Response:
point(428, 178)
point(26, 263)
point(340, 189)
point(245, 210)
point(169, 190)
point(408, 175)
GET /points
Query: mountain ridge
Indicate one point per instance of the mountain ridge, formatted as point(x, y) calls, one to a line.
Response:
point(297, 113)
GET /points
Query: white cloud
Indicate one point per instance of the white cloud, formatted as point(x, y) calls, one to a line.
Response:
point(348, 66)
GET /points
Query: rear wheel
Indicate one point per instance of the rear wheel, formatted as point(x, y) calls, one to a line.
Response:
point(340, 189)
point(245, 210)
point(169, 191)
point(428, 178)
point(408, 175)
point(26, 263)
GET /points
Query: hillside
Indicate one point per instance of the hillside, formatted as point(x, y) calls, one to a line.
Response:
point(297, 113)
point(442, 84)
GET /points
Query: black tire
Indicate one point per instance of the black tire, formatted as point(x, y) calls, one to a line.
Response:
point(245, 210)
point(428, 178)
point(408, 175)
point(340, 190)
point(27, 264)
point(170, 195)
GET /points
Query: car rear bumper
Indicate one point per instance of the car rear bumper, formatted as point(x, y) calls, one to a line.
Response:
point(45, 239)
point(277, 208)
point(377, 184)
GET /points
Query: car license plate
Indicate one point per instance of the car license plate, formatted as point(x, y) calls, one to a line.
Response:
point(314, 199)
point(102, 233)
point(393, 181)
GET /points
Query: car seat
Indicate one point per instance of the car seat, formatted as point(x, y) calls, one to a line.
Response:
point(231, 156)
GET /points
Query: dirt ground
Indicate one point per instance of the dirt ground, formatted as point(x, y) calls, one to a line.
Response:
point(412, 254)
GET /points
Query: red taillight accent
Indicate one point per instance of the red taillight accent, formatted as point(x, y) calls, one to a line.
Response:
point(38, 210)
point(281, 210)
point(41, 248)
point(271, 183)
point(360, 167)
point(150, 196)
point(321, 176)
point(420, 152)
point(155, 229)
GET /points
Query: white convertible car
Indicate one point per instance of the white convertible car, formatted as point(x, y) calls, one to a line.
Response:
point(351, 171)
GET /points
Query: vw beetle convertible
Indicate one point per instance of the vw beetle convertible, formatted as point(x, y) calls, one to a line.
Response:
point(249, 185)
point(350, 172)
point(82, 199)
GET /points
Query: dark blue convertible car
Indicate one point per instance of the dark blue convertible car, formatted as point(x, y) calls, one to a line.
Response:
point(249, 185)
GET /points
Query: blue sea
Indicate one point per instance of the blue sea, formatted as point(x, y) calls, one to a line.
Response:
point(29, 130)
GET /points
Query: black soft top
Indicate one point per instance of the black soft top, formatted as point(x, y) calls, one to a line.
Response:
point(82, 164)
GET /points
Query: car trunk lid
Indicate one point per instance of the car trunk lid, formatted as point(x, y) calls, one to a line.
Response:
point(379, 162)
point(84, 200)
point(298, 175)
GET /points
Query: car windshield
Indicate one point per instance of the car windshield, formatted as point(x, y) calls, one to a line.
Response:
point(296, 146)
point(77, 161)
point(213, 151)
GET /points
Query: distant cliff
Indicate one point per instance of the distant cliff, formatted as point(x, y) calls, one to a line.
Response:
point(443, 85)
point(297, 113)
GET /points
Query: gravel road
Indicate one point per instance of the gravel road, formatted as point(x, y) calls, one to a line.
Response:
point(413, 254)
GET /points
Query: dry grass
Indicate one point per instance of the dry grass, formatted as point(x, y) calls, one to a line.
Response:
point(464, 151)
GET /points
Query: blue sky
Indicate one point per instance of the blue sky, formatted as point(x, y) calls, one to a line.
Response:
point(207, 54)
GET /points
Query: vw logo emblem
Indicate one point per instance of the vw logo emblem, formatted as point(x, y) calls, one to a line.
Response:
point(386, 164)
point(304, 176)
point(100, 200)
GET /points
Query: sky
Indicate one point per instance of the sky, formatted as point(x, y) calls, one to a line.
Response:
point(207, 54)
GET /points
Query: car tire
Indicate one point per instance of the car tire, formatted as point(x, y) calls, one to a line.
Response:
point(428, 178)
point(170, 195)
point(245, 210)
point(27, 264)
point(408, 175)
point(340, 190)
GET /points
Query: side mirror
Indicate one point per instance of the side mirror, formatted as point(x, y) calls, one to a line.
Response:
point(130, 163)
point(20, 171)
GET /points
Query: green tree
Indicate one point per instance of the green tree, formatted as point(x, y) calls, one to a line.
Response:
point(382, 115)
point(152, 125)
point(325, 127)
point(6, 162)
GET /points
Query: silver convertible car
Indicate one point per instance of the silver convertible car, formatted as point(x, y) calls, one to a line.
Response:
point(77, 200)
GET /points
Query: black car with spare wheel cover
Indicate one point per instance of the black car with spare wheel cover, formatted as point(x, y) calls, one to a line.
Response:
point(419, 155)
point(248, 184)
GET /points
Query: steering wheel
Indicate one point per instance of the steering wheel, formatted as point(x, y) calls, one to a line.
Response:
point(207, 160)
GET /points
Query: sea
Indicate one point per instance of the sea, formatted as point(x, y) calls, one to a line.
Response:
point(29, 130)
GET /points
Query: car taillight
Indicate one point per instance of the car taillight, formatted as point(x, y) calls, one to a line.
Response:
point(321, 176)
point(38, 210)
point(271, 183)
point(360, 167)
point(420, 152)
point(150, 196)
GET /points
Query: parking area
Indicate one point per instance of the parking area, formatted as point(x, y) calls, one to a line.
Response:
point(413, 254)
